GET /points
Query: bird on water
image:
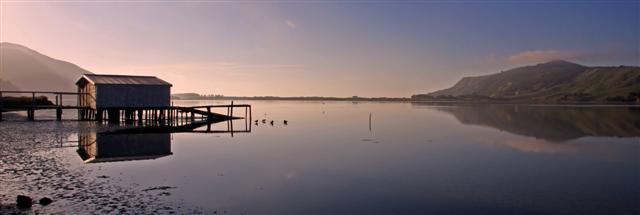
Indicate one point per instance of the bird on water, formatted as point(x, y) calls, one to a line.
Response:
point(286, 122)
point(271, 122)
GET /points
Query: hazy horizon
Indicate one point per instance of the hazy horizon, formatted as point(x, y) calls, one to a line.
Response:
point(315, 48)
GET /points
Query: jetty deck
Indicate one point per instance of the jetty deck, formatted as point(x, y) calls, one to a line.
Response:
point(158, 114)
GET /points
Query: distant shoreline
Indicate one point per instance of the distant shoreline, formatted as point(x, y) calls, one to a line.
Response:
point(405, 100)
point(300, 98)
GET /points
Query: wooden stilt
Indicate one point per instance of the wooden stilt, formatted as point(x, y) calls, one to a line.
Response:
point(99, 115)
point(31, 114)
point(139, 116)
point(231, 115)
point(58, 113)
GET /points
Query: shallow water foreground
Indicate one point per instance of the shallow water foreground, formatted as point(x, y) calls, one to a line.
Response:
point(338, 158)
point(38, 159)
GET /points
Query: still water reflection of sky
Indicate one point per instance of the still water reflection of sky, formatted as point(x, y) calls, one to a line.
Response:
point(412, 158)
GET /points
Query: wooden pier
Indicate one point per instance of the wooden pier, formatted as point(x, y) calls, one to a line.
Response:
point(169, 115)
point(33, 106)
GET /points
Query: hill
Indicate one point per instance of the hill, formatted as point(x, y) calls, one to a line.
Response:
point(554, 81)
point(186, 96)
point(6, 85)
point(25, 69)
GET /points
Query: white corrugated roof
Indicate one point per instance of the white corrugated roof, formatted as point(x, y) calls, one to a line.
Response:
point(124, 79)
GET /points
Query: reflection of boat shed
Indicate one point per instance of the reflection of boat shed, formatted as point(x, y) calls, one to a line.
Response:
point(108, 147)
point(123, 91)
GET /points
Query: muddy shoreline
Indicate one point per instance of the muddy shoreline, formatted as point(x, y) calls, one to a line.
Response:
point(34, 162)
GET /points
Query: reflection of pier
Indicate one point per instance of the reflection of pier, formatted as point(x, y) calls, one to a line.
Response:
point(196, 126)
point(144, 142)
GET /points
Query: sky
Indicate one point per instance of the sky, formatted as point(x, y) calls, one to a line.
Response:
point(322, 48)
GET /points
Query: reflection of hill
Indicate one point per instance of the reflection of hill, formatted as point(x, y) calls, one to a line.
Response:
point(553, 123)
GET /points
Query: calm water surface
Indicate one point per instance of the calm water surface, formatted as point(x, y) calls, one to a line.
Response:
point(410, 158)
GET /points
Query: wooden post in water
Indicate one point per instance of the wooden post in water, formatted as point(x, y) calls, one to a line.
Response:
point(208, 112)
point(31, 111)
point(30, 114)
point(231, 115)
point(369, 121)
point(58, 113)
point(231, 122)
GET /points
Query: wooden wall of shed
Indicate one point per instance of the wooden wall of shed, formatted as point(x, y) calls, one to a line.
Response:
point(132, 96)
point(88, 99)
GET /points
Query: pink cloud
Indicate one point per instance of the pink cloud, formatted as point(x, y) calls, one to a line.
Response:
point(537, 56)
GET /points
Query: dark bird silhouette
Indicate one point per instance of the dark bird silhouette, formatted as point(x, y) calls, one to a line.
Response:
point(264, 121)
point(286, 122)
point(271, 122)
point(256, 121)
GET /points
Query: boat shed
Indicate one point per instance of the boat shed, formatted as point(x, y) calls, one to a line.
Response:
point(123, 91)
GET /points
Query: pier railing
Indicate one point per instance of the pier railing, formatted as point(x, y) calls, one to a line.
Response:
point(36, 94)
point(57, 104)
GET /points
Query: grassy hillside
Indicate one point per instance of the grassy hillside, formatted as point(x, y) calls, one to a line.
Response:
point(601, 84)
point(27, 69)
point(555, 81)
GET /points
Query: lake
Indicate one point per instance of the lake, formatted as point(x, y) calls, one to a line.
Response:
point(375, 158)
